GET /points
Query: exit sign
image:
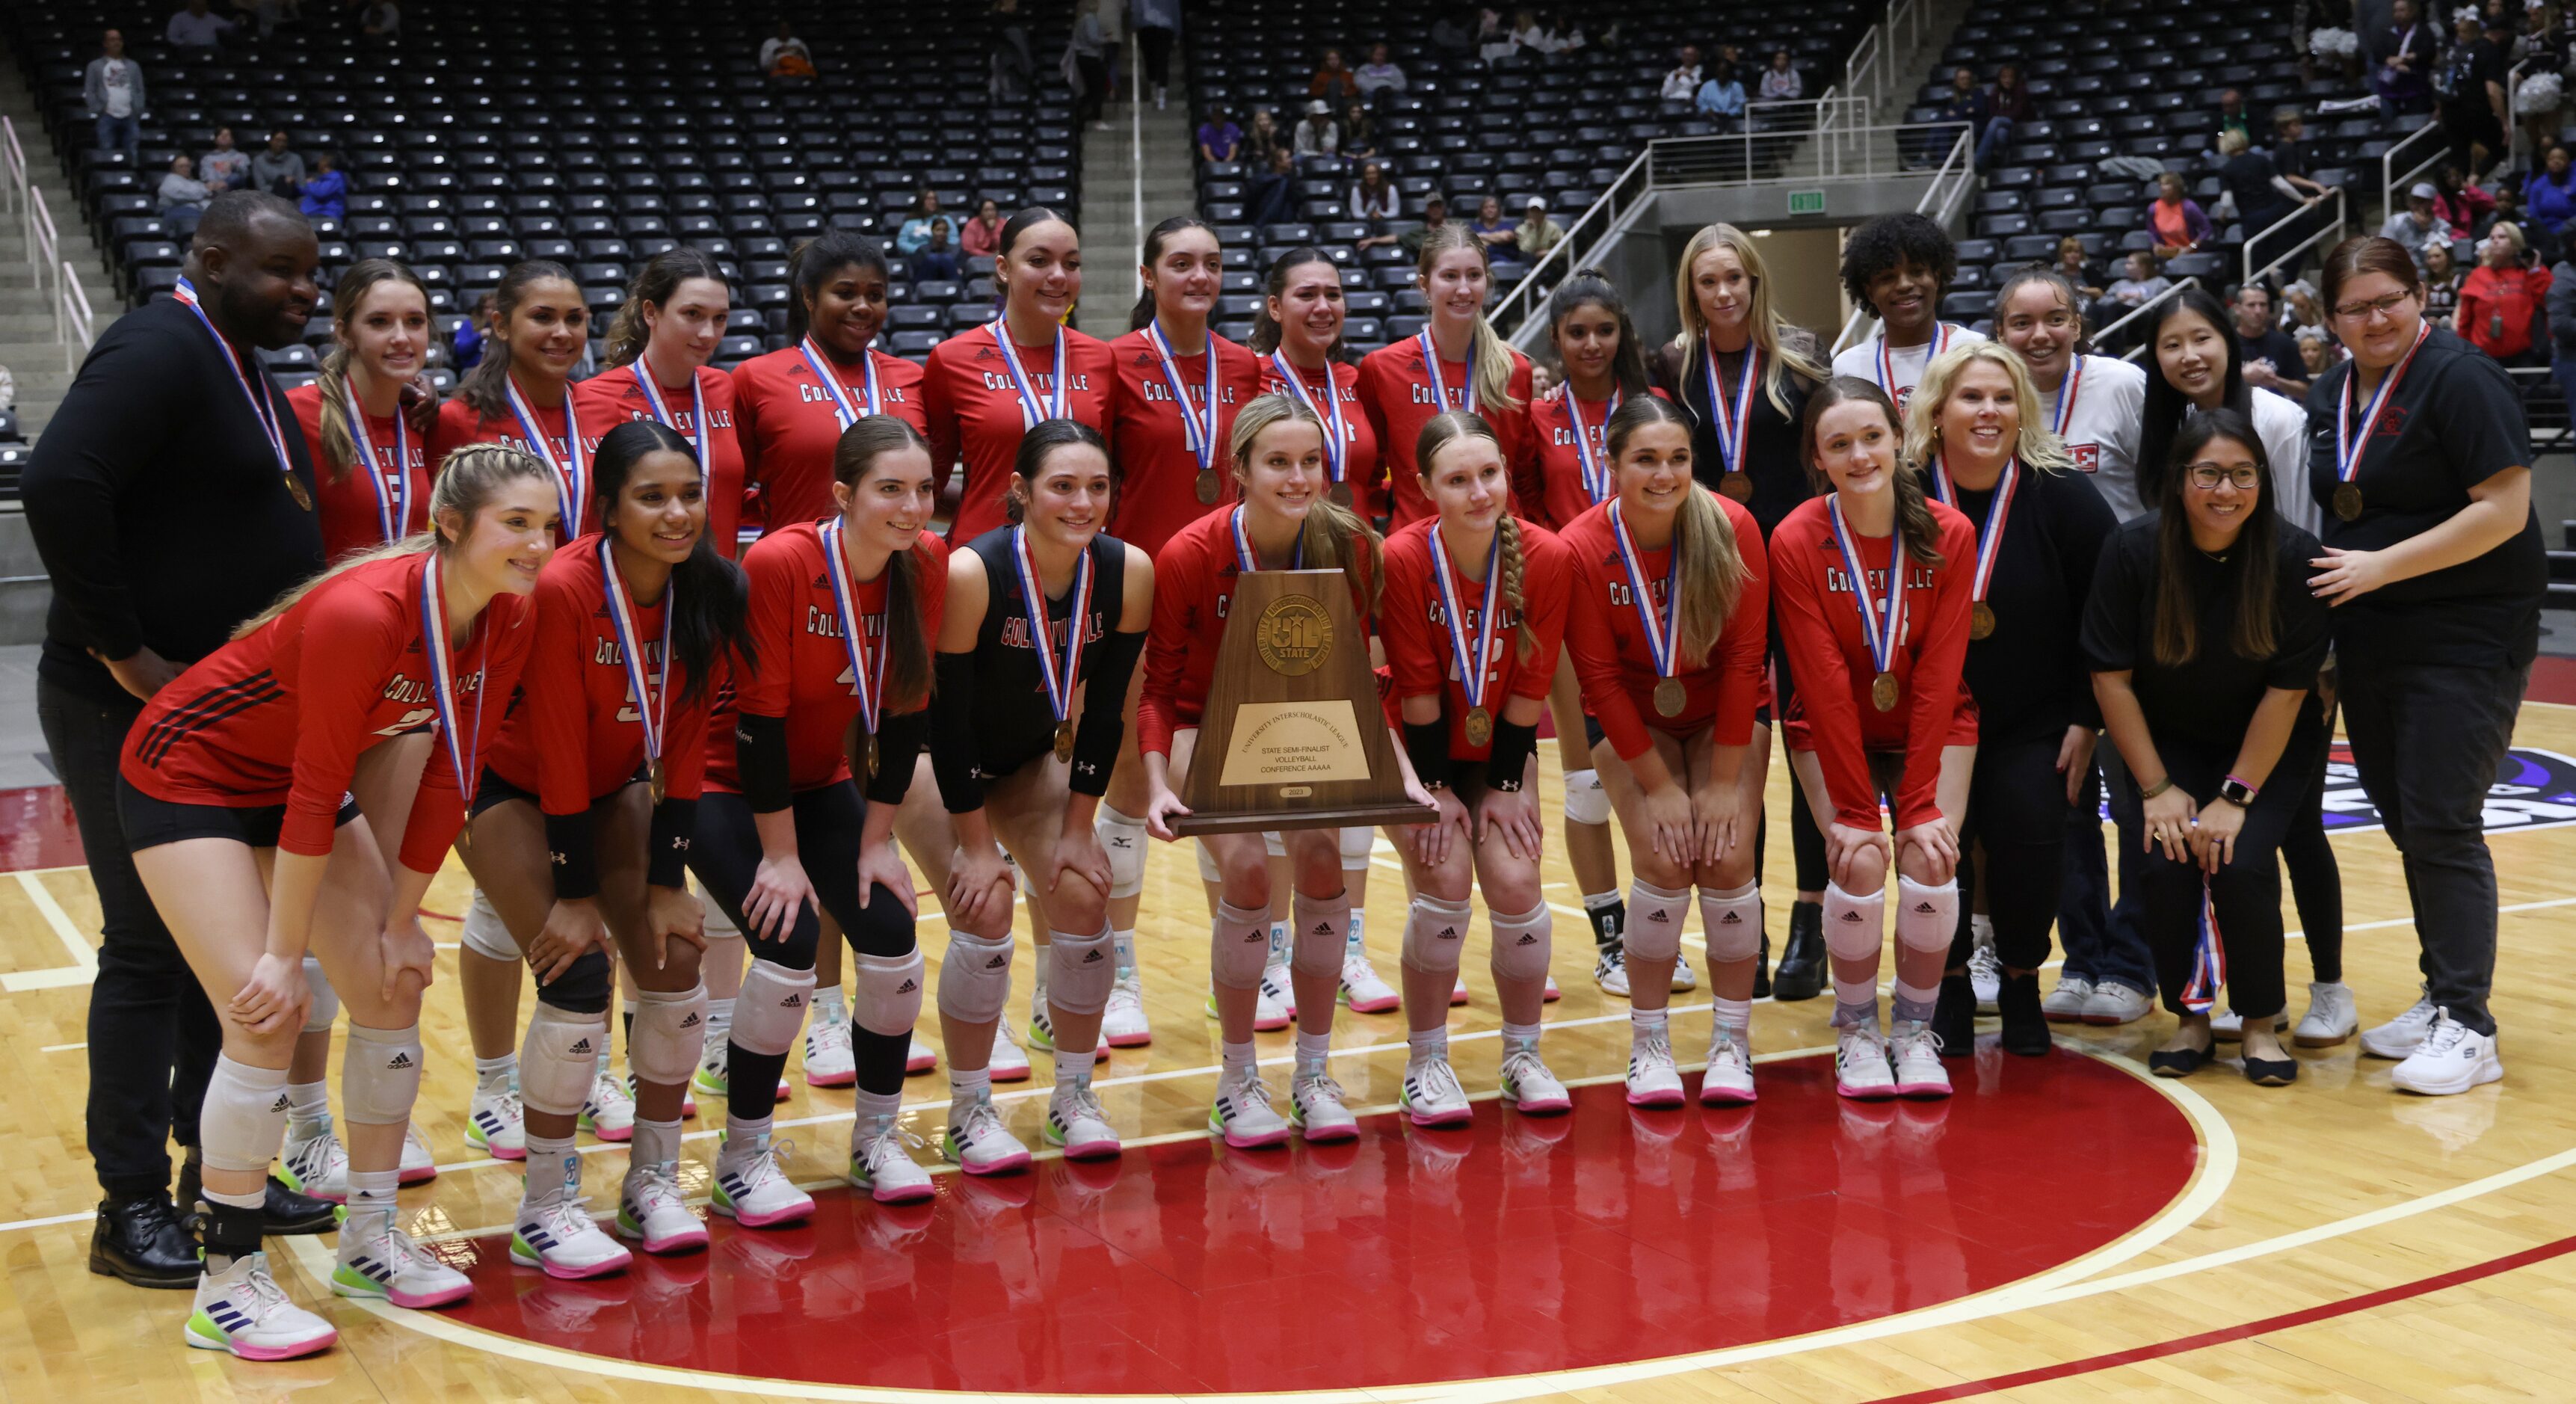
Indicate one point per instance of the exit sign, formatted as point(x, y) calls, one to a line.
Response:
point(1806, 202)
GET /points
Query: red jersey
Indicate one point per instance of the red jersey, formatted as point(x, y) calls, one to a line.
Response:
point(1359, 437)
point(576, 736)
point(613, 397)
point(804, 667)
point(1616, 663)
point(459, 424)
point(1399, 400)
point(787, 425)
point(1551, 481)
point(280, 717)
point(1193, 585)
point(977, 417)
point(353, 517)
point(1831, 713)
point(1158, 474)
point(1420, 656)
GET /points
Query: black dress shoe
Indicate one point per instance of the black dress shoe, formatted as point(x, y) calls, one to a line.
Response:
point(2025, 1024)
point(142, 1242)
point(2271, 1072)
point(285, 1211)
point(2176, 1062)
point(1802, 961)
point(1762, 968)
point(1954, 1017)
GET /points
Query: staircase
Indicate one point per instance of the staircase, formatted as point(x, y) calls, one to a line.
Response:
point(1134, 176)
point(41, 364)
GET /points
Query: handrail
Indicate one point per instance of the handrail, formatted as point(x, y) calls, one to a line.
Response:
point(2328, 234)
point(1864, 61)
point(74, 325)
point(1587, 231)
point(13, 165)
point(2390, 182)
point(43, 243)
point(2512, 112)
point(2104, 335)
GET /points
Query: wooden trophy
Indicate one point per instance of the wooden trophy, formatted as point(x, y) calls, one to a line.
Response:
point(1293, 736)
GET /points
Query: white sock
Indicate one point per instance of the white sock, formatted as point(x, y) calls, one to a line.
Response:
point(1123, 943)
point(1072, 1072)
point(719, 1021)
point(874, 1104)
point(966, 1086)
point(1313, 1049)
point(1237, 1057)
point(1736, 1014)
point(655, 1143)
point(1519, 1038)
point(372, 1189)
point(1278, 943)
point(1647, 1023)
point(743, 1135)
point(1356, 942)
point(308, 1110)
point(1423, 1045)
point(496, 1074)
point(834, 1000)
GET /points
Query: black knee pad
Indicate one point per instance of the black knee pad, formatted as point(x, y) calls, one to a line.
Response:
point(882, 927)
point(583, 989)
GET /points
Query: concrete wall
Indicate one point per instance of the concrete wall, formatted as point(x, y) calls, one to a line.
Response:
point(24, 593)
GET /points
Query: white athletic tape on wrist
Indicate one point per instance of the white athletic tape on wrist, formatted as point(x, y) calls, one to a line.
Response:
point(1322, 933)
point(1523, 943)
point(1085, 970)
point(1927, 916)
point(380, 1077)
point(326, 1000)
point(1586, 802)
point(770, 1011)
point(975, 977)
point(1435, 935)
point(888, 1002)
point(484, 933)
point(1655, 918)
point(1238, 946)
point(1359, 844)
point(1855, 926)
point(670, 1034)
point(1732, 921)
point(244, 1118)
point(559, 1060)
point(1122, 837)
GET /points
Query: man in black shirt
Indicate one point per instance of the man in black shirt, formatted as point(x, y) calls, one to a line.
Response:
point(171, 499)
point(2270, 355)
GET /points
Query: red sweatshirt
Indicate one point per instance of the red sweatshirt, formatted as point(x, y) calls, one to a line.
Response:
point(976, 415)
point(1419, 654)
point(1193, 585)
point(613, 397)
point(1360, 463)
point(348, 505)
point(786, 425)
point(1616, 663)
point(459, 425)
point(1157, 473)
point(1397, 395)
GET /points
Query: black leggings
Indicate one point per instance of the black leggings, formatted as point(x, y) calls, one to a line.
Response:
point(2316, 880)
point(2017, 813)
point(726, 857)
point(2245, 895)
point(1157, 47)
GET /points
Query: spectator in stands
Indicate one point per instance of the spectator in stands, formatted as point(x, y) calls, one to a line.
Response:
point(277, 170)
point(1359, 132)
point(2442, 277)
point(2139, 282)
point(1086, 57)
point(1965, 102)
point(2561, 311)
point(915, 231)
point(1220, 140)
point(113, 88)
point(1435, 213)
point(1156, 24)
point(2416, 225)
point(2231, 117)
point(2073, 266)
point(1271, 196)
point(2007, 103)
point(783, 55)
point(1782, 82)
point(381, 21)
point(2301, 308)
point(2318, 351)
point(326, 195)
point(1333, 79)
point(1499, 235)
point(2264, 197)
point(2290, 150)
point(2543, 44)
point(2179, 222)
point(2270, 355)
point(227, 167)
point(1559, 36)
point(937, 257)
point(1682, 84)
point(982, 236)
point(1722, 97)
point(1262, 140)
point(197, 28)
point(2549, 196)
point(2408, 50)
point(183, 199)
point(1014, 57)
point(1373, 201)
point(1317, 135)
point(1452, 33)
point(2471, 86)
point(465, 348)
point(267, 15)
point(2503, 303)
point(2460, 203)
point(1537, 234)
point(1380, 77)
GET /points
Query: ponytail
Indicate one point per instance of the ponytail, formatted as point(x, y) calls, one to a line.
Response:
point(1489, 360)
point(709, 595)
point(654, 285)
point(906, 642)
point(1442, 430)
point(339, 440)
point(1709, 573)
point(1913, 507)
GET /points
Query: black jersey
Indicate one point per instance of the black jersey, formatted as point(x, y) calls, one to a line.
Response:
point(992, 716)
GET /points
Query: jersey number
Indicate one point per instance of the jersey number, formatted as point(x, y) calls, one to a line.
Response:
point(410, 719)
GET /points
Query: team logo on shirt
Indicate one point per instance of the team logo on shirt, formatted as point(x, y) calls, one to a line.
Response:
point(809, 393)
point(2088, 457)
point(1015, 631)
point(2532, 790)
point(1040, 383)
point(1160, 394)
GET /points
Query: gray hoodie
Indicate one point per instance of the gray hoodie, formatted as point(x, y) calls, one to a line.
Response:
point(94, 84)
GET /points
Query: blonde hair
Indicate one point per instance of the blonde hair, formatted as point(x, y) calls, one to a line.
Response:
point(1778, 362)
point(1334, 536)
point(1489, 359)
point(339, 442)
point(2232, 142)
point(1439, 432)
point(1709, 571)
point(465, 484)
point(2034, 445)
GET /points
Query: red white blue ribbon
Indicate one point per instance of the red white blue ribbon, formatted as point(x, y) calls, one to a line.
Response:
point(866, 685)
point(572, 471)
point(1033, 410)
point(1990, 532)
point(2208, 958)
point(1198, 433)
point(1059, 675)
point(1475, 662)
point(1439, 388)
point(2349, 447)
point(1596, 472)
point(842, 405)
point(697, 409)
point(1734, 412)
point(393, 504)
point(1887, 357)
point(1245, 562)
point(652, 707)
point(462, 750)
point(1337, 447)
point(1880, 634)
point(1662, 624)
point(2065, 416)
point(260, 409)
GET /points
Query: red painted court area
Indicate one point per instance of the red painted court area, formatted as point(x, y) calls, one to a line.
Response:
point(1513, 1247)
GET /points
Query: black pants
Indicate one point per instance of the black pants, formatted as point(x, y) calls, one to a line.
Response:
point(2316, 879)
point(2103, 939)
point(2244, 895)
point(2428, 740)
point(1095, 88)
point(153, 1037)
point(2017, 813)
point(1156, 45)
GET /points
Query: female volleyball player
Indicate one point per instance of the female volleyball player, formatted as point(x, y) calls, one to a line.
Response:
point(1974, 428)
point(658, 347)
point(1877, 633)
point(373, 467)
point(233, 792)
point(1043, 624)
point(581, 832)
point(1473, 615)
point(842, 616)
point(1669, 635)
point(1457, 362)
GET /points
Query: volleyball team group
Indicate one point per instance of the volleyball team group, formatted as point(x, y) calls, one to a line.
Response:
point(1943, 565)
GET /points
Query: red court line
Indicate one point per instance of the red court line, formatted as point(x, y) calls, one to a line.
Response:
point(2185, 1344)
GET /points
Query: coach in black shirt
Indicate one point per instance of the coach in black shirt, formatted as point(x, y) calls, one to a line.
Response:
point(171, 499)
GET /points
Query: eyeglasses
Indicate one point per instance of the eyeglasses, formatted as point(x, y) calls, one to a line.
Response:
point(2363, 311)
point(2207, 477)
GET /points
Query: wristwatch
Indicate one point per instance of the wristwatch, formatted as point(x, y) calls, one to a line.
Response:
point(2237, 792)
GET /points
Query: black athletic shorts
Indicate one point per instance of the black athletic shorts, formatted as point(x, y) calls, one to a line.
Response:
point(150, 821)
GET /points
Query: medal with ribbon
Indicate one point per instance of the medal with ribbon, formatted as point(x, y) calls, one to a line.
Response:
point(1990, 537)
point(1475, 662)
point(1059, 675)
point(1199, 433)
point(1734, 413)
point(1596, 472)
point(697, 410)
point(1337, 443)
point(572, 471)
point(269, 427)
point(2208, 958)
point(867, 684)
point(1033, 410)
point(2065, 416)
point(462, 747)
point(1661, 625)
point(1887, 361)
point(393, 504)
point(2349, 447)
point(1879, 634)
point(1440, 388)
point(1245, 562)
point(842, 405)
point(652, 704)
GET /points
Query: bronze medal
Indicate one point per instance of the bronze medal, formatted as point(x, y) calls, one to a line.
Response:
point(1738, 486)
point(1882, 692)
point(1207, 486)
point(1064, 740)
point(1341, 494)
point(295, 488)
point(659, 788)
point(1981, 622)
point(1480, 726)
point(2347, 502)
point(1670, 696)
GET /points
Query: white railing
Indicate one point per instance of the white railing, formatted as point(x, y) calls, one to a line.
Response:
point(2392, 181)
point(13, 168)
point(44, 246)
point(73, 324)
point(1626, 195)
point(1951, 182)
point(2103, 336)
point(2513, 131)
point(2328, 234)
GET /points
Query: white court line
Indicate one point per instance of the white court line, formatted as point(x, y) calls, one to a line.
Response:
point(61, 1047)
point(84, 966)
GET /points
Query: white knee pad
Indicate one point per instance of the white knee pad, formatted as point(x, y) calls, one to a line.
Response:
point(1523, 943)
point(484, 934)
point(1927, 916)
point(1655, 917)
point(670, 1034)
point(770, 1011)
point(889, 993)
point(1323, 931)
point(1238, 946)
point(1359, 844)
point(244, 1120)
point(1733, 922)
point(1122, 837)
point(975, 978)
point(560, 1059)
point(1855, 925)
point(1083, 969)
point(1585, 801)
point(381, 1077)
point(1435, 933)
point(326, 1000)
